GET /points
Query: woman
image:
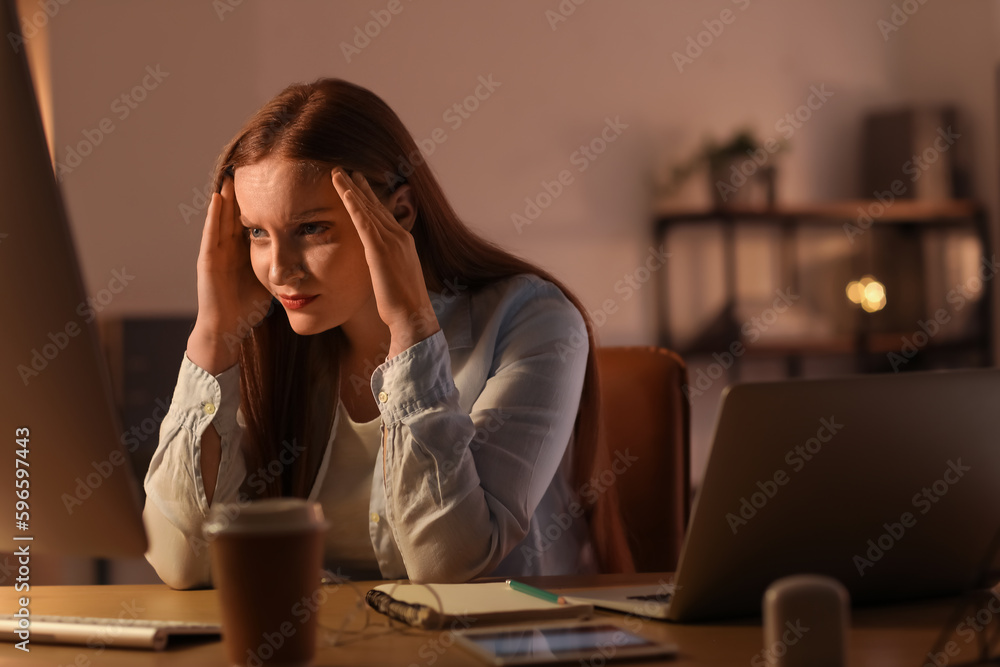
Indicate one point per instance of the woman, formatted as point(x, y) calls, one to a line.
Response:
point(356, 344)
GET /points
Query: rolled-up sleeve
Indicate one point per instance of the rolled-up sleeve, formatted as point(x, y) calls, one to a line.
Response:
point(461, 486)
point(176, 503)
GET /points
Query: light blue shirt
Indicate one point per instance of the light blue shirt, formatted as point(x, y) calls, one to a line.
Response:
point(477, 419)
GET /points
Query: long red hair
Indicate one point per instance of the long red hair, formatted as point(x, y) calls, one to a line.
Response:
point(333, 122)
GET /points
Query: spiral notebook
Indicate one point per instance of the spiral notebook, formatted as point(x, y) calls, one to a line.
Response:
point(435, 606)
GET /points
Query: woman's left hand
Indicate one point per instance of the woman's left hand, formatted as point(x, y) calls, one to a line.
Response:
point(397, 278)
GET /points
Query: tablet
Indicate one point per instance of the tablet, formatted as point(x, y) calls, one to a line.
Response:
point(542, 645)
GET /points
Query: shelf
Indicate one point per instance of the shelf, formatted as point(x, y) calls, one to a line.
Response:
point(902, 220)
point(881, 343)
point(834, 213)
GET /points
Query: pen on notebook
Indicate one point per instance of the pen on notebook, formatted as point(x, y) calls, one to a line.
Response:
point(535, 592)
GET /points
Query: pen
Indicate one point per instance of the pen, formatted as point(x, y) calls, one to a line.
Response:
point(535, 592)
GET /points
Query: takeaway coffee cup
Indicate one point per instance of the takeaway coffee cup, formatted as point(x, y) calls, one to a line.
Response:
point(266, 564)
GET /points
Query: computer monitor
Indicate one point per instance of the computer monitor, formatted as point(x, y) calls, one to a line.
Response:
point(61, 436)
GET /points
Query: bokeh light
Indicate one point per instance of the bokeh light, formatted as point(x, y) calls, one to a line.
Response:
point(868, 293)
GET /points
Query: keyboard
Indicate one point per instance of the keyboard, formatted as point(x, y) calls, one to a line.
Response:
point(106, 632)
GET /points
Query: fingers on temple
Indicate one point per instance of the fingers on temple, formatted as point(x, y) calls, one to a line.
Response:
point(210, 235)
point(228, 224)
point(361, 211)
point(378, 211)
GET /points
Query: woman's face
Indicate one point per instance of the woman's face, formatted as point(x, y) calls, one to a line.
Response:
point(304, 247)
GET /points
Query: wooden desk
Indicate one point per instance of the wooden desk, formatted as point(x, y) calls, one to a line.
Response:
point(882, 637)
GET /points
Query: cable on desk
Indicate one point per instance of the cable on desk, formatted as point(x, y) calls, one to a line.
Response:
point(335, 636)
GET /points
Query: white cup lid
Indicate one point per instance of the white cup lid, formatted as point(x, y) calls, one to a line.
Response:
point(271, 515)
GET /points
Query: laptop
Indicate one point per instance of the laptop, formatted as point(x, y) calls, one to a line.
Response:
point(888, 483)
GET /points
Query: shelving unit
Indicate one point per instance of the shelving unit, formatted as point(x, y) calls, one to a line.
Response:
point(869, 346)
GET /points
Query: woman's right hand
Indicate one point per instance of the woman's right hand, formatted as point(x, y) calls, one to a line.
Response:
point(230, 298)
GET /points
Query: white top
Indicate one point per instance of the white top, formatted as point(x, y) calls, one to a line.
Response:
point(474, 476)
point(346, 493)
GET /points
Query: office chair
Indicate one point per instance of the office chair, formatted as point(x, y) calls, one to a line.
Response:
point(645, 414)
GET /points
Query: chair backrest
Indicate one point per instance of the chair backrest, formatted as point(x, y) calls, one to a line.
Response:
point(645, 423)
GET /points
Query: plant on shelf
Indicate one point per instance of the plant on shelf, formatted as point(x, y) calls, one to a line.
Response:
point(740, 170)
